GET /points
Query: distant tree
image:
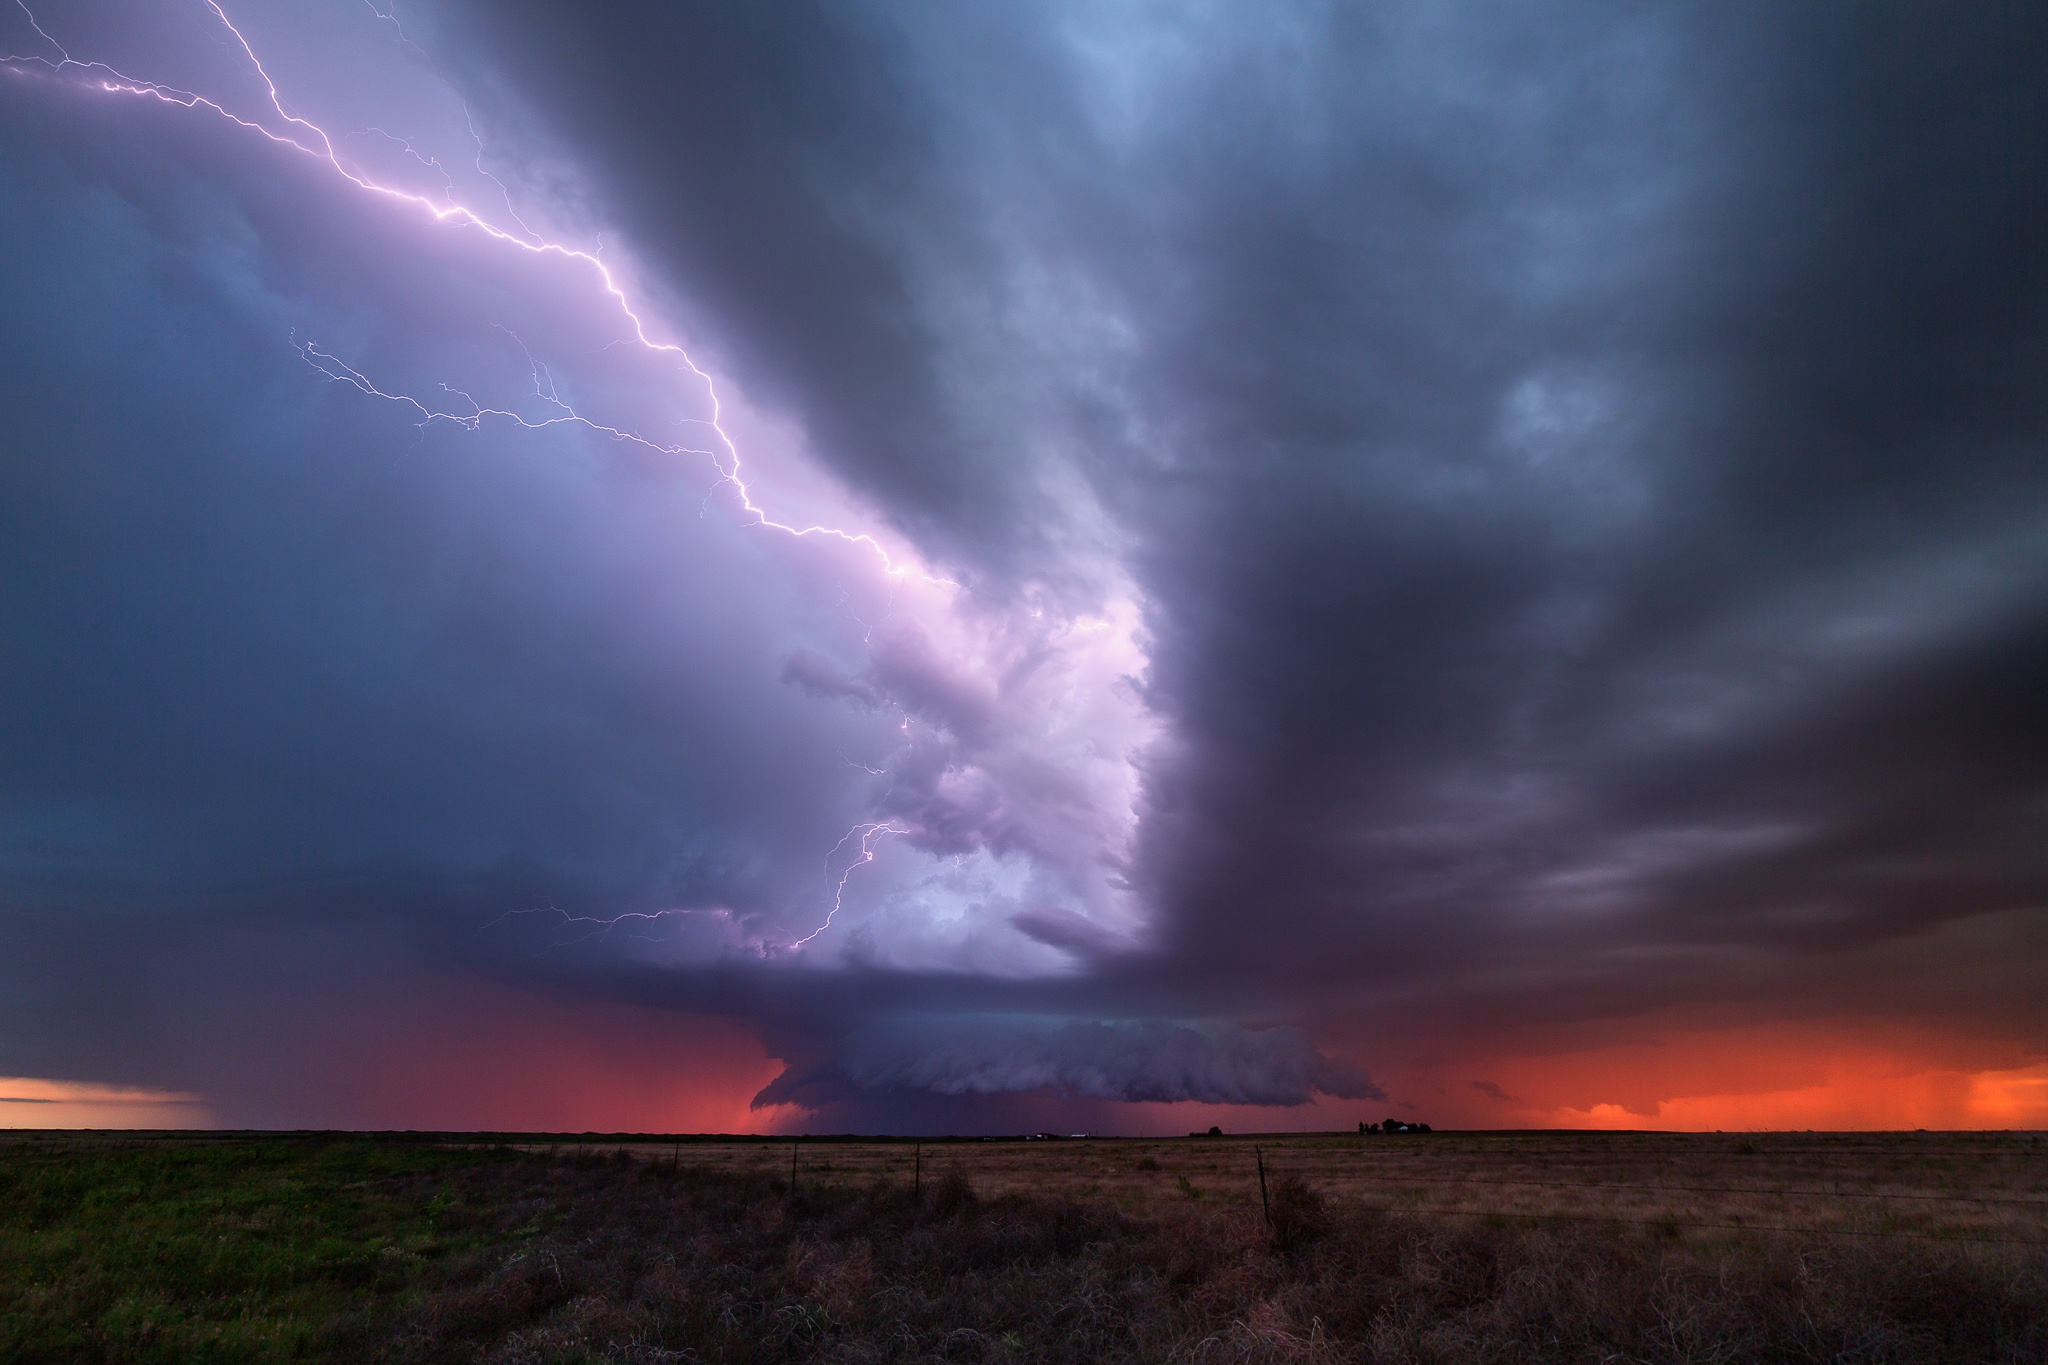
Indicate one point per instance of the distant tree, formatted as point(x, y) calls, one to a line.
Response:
point(1215, 1131)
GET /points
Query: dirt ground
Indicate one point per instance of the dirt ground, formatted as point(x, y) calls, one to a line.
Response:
point(1946, 1185)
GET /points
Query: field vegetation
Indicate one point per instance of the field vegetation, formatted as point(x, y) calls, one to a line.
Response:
point(1450, 1247)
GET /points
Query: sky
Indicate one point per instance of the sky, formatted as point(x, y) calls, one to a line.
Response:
point(876, 567)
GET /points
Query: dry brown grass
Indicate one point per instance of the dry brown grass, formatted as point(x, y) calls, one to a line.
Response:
point(704, 1255)
point(1934, 1184)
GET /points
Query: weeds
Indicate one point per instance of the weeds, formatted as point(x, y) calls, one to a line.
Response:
point(1297, 1213)
point(458, 1257)
point(724, 1268)
point(244, 1251)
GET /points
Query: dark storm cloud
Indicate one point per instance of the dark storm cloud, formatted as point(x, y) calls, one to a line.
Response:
point(775, 163)
point(1674, 582)
point(1586, 462)
point(271, 656)
point(1583, 466)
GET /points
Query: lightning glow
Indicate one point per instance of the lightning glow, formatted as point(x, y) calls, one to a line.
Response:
point(587, 928)
point(1061, 681)
point(310, 139)
point(867, 834)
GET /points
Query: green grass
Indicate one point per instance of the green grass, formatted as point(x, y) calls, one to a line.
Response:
point(213, 1251)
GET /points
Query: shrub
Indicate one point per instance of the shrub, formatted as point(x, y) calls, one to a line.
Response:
point(1297, 1211)
point(952, 1195)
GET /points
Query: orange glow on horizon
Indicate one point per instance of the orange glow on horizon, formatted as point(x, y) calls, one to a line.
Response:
point(35, 1102)
point(1703, 1079)
point(481, 1055)
point(1928, 1099)
point(448, 1050)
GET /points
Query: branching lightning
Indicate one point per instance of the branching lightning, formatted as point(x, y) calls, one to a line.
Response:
point(308, 138)
point(868, 834)
point(390, 17)
point(301, 135)
point(588, 927)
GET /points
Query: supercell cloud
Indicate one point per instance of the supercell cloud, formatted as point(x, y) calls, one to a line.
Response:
point(1155, 1061)
point(860, 566)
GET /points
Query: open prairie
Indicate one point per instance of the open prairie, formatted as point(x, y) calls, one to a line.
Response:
point(1446, 1247)
point(1928, 1184)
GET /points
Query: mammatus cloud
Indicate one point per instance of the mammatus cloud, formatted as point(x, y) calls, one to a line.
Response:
point(1147, 1061)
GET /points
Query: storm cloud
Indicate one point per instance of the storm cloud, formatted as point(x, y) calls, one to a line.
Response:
point(1154, 1061)
point(1352, 534)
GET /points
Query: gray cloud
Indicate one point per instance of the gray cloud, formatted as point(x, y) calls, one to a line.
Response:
point(1061, 928)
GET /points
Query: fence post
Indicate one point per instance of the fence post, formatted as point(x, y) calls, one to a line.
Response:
point(1264, 1204)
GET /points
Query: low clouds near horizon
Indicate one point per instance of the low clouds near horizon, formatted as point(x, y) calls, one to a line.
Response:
point(1490, 561)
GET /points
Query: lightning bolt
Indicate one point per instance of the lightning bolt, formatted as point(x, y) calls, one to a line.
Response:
point(307, 138)
point(588, 927)
point(592, 927)
point(868, 834)
point(339, 371)
point(390, 17)
point(302, 136)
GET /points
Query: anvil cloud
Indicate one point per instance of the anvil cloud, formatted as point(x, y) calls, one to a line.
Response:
point(1058, 565)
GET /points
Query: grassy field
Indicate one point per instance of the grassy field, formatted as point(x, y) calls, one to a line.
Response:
point(1446, 1247)
point(1938, 1184)
point(181, 1250)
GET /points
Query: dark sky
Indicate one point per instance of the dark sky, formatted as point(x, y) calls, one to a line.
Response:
point(892, 567)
